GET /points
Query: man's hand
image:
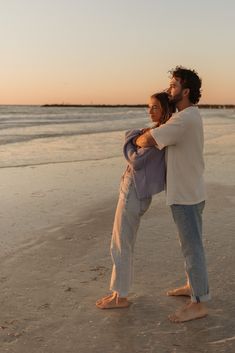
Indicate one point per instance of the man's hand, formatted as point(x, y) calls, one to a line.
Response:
point(145, 129)
point(145, 140)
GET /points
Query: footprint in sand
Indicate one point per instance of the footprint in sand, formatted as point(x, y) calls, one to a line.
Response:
point(44, 306)
point(3, 279)
point(101, 270)
point(38, 194)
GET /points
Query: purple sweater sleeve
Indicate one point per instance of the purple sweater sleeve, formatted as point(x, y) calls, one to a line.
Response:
point(135, 156)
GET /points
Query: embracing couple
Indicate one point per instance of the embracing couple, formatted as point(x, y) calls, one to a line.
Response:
point(167, 156)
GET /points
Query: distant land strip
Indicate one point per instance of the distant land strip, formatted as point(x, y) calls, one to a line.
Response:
point(204, 106)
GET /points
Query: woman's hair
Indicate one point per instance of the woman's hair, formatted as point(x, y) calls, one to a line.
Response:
point(168, 108)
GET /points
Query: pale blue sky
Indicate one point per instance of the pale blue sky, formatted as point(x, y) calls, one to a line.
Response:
point(106, 51)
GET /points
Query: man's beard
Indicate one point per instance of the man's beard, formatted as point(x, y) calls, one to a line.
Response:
point(177, 98)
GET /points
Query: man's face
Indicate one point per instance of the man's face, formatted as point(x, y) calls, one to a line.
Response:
point(175, 90)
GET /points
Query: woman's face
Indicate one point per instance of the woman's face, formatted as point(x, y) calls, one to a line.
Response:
point(155, 110)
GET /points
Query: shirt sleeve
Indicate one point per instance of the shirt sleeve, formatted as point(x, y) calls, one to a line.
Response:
point(169, 133)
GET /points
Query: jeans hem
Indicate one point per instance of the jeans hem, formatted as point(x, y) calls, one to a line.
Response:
point(201, 298)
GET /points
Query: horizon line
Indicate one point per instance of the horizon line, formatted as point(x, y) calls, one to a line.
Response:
point(140, 105)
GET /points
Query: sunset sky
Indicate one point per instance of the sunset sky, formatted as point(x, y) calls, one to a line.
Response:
point(113, 51)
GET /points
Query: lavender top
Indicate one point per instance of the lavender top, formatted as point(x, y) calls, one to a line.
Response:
point(147, 166)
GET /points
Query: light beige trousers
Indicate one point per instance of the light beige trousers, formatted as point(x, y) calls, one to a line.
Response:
point(126, 223)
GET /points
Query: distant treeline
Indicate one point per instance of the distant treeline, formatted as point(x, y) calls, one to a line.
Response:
point(204, 106)
point(97, 105)
point(216, 106)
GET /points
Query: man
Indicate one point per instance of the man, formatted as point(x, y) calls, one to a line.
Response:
point(185, 191)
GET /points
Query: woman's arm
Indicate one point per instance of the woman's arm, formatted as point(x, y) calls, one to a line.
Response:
point(136, 156)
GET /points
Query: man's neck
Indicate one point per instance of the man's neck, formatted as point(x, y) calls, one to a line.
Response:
point(183, 105)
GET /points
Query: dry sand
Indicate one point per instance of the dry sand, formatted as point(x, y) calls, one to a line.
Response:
point(56, 223)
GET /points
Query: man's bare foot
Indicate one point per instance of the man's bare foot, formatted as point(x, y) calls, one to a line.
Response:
point(191, 311)
point(112, 301)
point(184, 291)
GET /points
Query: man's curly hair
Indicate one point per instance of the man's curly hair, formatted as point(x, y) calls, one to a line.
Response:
point(189, 79)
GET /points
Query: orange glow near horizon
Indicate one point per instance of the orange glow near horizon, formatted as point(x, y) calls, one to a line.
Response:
point(40, 92)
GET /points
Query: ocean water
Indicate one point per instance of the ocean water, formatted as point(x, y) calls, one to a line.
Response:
point(33, 135)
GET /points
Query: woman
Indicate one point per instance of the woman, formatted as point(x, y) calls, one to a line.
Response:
point(144, 177)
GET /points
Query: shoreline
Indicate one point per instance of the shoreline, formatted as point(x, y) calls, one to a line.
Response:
point(51, 195)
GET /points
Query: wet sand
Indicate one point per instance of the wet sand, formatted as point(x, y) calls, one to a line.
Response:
point(55, 264)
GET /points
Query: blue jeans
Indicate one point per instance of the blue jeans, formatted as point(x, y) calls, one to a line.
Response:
point(188, 219)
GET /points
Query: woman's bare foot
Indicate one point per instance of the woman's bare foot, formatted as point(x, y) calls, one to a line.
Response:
point(191, 311)
point(112, 301)
point(184, 291)
point(99, 301)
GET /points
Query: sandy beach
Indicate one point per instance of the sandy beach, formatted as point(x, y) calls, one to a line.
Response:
point(56, 223)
